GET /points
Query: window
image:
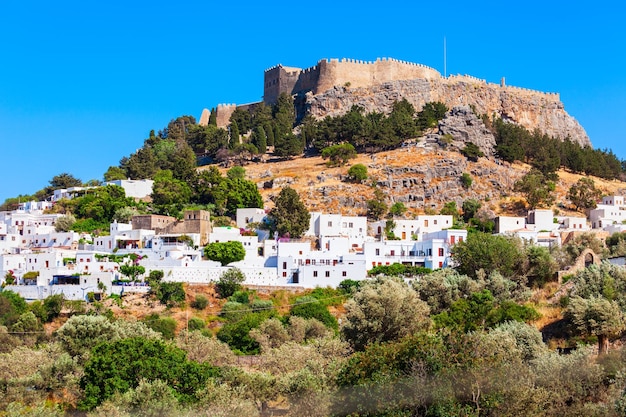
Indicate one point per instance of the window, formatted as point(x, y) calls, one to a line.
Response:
point(393, 253)
point(435, 221)
point(327, 274)
point(425, 223)
point(440, 251)
point(440, 264)
point(330, 224)
point(377, 252)
point(314, 274)
point(344, 274)
point(350, 224)
point(284, 265)
point(284, 274)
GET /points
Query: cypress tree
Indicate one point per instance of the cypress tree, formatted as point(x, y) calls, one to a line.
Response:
point(260, 140)
point(234, 135)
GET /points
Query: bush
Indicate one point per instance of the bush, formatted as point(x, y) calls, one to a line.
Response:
point(166, 326)
point(170, 293)
point(357, 173)
point(310, 308)
point(466, 180)
point(196, 323)
point(229, 282)
point(53, 305)
point(116, 367)
point(200, 302)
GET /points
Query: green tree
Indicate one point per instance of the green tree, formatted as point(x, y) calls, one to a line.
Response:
point(470, 208)
point(132, 271)
point(235, 137)
point(289, 215)
point(538, 191)
point(310, 308)
point(488, 252)
point(52, 306)
point(595, 317)
point(115, 173)
point(118, 366)
point(472, 152)
point(357, 173)
point(260, 139)
point(339, 155)
point(225, 252)
point(382, 310)
point(466, 180)
point(229, 282)
point(236, 172)
point(584, 194)
point(541, 267)
point(430, 114)
point(397, 209)
point(166, 326)
point(64, 180)
point(376, 207)
point(450, 209)
point(170, 195)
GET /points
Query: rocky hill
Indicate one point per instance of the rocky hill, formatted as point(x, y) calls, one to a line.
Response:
point(422, 175)
point(528, 108)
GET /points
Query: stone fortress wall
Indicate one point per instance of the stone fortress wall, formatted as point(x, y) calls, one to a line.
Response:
point(333, 86)
point(329, 73)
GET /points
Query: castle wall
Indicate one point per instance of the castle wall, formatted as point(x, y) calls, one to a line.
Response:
point(278, 80)
point(364, 74)
point(223, 113)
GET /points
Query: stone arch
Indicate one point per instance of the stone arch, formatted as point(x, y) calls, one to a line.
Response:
point(586, 258)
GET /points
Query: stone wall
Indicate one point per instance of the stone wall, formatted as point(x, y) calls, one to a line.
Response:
point(334, 72)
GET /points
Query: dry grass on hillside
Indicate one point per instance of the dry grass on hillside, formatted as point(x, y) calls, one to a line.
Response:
point(321, 187)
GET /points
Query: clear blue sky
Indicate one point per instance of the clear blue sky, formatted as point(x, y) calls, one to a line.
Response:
point(83, 83)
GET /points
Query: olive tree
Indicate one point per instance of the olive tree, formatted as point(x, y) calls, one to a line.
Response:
point(595, 317)
point(382, 310)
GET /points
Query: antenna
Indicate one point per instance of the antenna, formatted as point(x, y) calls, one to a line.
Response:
point(445, 74)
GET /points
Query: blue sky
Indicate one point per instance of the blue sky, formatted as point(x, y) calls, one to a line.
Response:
point(83, 83)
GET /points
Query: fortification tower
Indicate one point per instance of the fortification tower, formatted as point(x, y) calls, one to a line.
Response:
point(279, 79)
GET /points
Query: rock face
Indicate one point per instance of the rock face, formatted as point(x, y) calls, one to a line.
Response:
point(464, 126)
point(531, 109)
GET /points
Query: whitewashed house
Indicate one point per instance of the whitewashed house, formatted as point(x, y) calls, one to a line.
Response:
point(247, 216)
point(612, 210)
point(298, 264)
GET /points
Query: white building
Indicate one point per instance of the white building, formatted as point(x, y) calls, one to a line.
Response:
point(298, 264)
point(611, 211)
point(246, 216)
point(433, 252)
point(414, 229)
point(134, 188)
point(328, 226)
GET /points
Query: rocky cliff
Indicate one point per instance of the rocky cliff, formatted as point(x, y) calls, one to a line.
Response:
point(531, 109)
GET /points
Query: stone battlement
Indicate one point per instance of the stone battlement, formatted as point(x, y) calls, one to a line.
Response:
point(515, 90)
point(329, 73)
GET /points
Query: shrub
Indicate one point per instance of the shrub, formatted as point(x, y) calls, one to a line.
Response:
point(166, 326)
point(170, 293)
point(466, 180)
point(230, 282)
point(196, 323)
point(357, 173)
point(310, 308)
point(200, 302)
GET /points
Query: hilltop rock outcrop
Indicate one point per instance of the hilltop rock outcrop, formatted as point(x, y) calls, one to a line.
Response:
point(531, 109)
point(464, 126)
